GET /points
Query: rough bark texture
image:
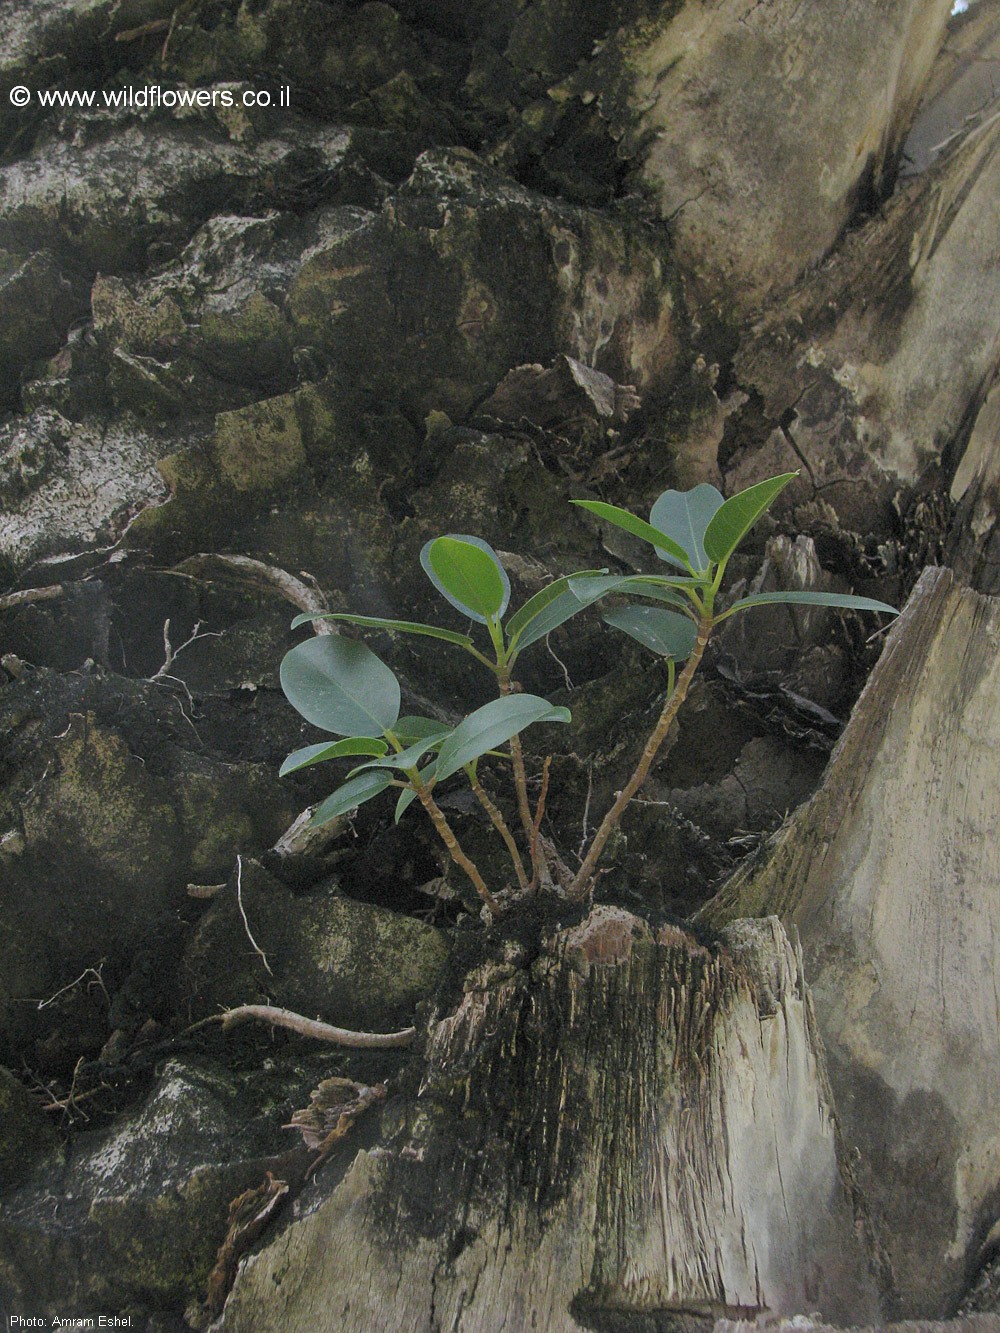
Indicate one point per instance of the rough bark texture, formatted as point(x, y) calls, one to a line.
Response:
point(731, 98)
point(889, 875)
point(633, 1124)
point(977, 1323)
point(976, 490)
point(496, 255)
point(902, 343)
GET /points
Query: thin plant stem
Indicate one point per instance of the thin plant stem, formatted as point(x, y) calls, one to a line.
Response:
point(536, 858)
point(500, 824)
point(521, 782)
point(447, 836)
point(520, 778)
point(611, 820)
point(444, 830)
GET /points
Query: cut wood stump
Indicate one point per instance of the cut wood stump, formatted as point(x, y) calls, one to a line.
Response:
point(627, 1127)
point(891, 875)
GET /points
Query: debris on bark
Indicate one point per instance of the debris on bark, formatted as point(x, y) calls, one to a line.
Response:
point(249, 1214)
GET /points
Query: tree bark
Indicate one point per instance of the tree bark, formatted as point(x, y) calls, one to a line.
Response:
point(308, 332)
point(628, 1124)
point(761, 125)
point(889, 875)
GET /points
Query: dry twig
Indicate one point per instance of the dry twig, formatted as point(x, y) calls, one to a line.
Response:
point(9, 601)
point(94, 972)
point(170, 653)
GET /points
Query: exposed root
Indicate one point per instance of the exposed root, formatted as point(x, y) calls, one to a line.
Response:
point(246, 924)
point(269, 578)
point(307, 1027)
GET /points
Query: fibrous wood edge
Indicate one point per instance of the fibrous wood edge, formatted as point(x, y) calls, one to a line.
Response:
point(631, 1124)
point(890, 874)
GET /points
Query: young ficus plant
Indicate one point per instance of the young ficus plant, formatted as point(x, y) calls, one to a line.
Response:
point(339, 685)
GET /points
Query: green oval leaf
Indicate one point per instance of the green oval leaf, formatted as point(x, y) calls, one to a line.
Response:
point(562, 608)
point(396, 626)
point(663, 632)
point(468, 573)
point(493, 725)
point(621, 518)
point(666, 595)
point(736, 517)
point(663, 589)
point(409, 729)
point(534, 606)
point(845, 601)
point(407, 758)
point(316, 754)
point(349, 796)
point(566, 603)
point(685, 516)
point(340, 685)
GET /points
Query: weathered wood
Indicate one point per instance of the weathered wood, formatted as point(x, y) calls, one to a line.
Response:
point(963, 86)
point(630, 1124)
point(890, 875)
point(974, 548)
point(874, 367)
point(761, 125)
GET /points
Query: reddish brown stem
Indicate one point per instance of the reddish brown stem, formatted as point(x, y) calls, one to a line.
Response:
point(507, 686)
point(447, 836)
point(307, 1027)
point(581, 881)
point(536, 857)
point(500, 824)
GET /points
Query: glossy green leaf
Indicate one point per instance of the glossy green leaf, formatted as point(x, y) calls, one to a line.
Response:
point(534, 606)
point(350, 795)
point(408, 758)
point(398, 626)
point(740, 512)
point(316, 754)
point(492, 725)
point(845, 601)
point(621, 518)
point(566, 604)
point(559, 610)
point(468, 573)
point(410, 729)
point(340, 685)
point(663, 589)
point(685, 516)
point(666, 595)
point(663, 632)
point(696, 581)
